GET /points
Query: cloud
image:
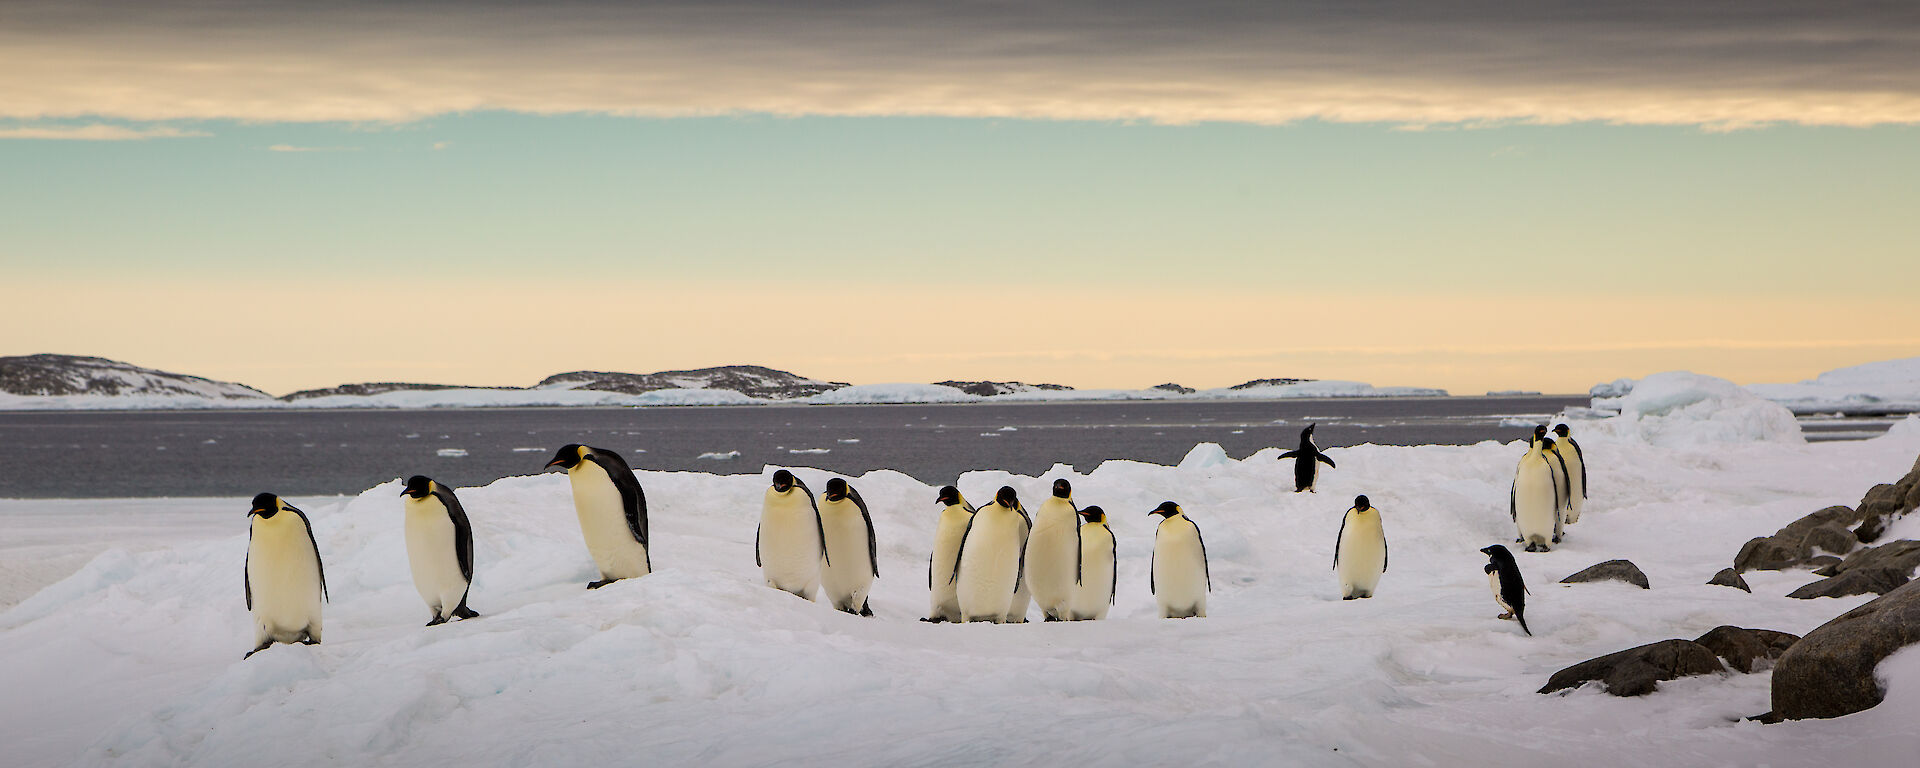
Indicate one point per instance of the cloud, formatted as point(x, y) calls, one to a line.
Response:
point(1402, 62)
point(97, 132)
point(292, 148)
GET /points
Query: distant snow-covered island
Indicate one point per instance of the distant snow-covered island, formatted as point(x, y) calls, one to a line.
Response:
point(67, 382)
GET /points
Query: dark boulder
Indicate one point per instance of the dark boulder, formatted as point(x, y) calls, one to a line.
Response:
point(1903, 554)
point(1638, 671)
point(1746, 650)
point(1831, 537)
point(1728, 577)
point(1870, 529)
point(1767, 553)
point(1611, 570)
point(1859, 581)
point(1829, 673)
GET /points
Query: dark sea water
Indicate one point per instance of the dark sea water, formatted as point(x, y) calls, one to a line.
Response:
point(306, 453)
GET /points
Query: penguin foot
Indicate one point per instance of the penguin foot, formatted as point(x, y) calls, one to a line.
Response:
point(600, 583)
point(263, 646)
point(437, 621)
point(1349, 597)
point(1556, 539)
point(464, 612)
point(1051, 617)
point(1508, 616)
point(865, 610)
point(308, 640)
point(933, 620)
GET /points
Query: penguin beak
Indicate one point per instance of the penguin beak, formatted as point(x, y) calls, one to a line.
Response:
point(554, 463)
point(252, 512)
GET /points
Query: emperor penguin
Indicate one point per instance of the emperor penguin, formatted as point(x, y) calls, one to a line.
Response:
point(1360, 550)
point(850, 555)
point(1576, 472)
point(612, 511)
point(285, 583)
point(1306, 461)
point(1534, 500)
point(989, 573)
point(789, 544)
point(1178, 575)
point(1509, 590)
point(1053, 566)
point(439, 547)
point(1099, 569)
point(1562, 479)
point(955, 513)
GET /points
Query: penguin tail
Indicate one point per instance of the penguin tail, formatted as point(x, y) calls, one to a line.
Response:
point(1523, 623)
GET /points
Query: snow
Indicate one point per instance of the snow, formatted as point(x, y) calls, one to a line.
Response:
point(134, 657)
point(1679, 408)
point(1888, 385)
point(892, 393)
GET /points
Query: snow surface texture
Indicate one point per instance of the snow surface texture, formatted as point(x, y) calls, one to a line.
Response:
point(1678, 408)
point(1889, 385)
point(135, 658)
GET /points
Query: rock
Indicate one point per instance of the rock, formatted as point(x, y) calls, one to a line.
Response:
point(1883, 499)
point(1831, 537)
point(1746, 650)
point(1902, 555)
point(992, 388)
point(1638, 671)
point(1829, 673)
point(1859, 581)
point(1870, 529)
point(1823, 562)
point(1615, 570)
point(1174, 388)
point(1767, 553)
point(1830, 569)
point(1728, 577)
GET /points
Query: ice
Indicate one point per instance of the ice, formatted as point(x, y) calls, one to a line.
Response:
point(718, 456)
point(810, 450)
point(1681, 408)
point(893, 393)
point(450, 453)
point(1888, 385)
point(132, 657)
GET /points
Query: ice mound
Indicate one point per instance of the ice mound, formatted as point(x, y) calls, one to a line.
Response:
point(892, 393)
point(1888, 385)
point(1679, 408)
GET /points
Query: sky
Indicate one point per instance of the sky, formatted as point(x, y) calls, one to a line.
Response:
point(1480, 196)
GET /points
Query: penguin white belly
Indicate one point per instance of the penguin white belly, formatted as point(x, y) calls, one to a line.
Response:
point(1094, 595)
point(1023, 592)
point(944, 601)
point(1363, 554)
point(990, 565)
point(431, 553)
point(284, 574)
point(790, 543)
point(1533, 503)
point(1576, 487)
point(848, 572)
point(1562, 472)
point(1053, 551)
point(1493, 583)
point(1179, 571)
point(603, 523)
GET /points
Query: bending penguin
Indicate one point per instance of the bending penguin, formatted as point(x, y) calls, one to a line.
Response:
point(1562, 479)
point(1099, 569)
point(439, 548)
point(612, 511)
point(1306, 461)
point(850, 555)
point(955, 513)
point(284, 580)
point(1509, 590)
point(989, 573)
point(1576, 462)
point(1178, 575)
point(1360, 550)
point(1053, 567)
point(1534, 501)
point(789, 544)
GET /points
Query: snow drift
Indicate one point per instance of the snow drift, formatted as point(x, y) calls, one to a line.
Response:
point(1678, 408)
point(1888, 386)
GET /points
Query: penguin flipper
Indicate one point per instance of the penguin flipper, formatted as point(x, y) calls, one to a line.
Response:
point(462, 529)
point(246, 577)
point(632, 498)
point(960, 550)
point(1323, 458)
point(1205, 569)
point(319, 567)
point(756, 547)
point(1293, 454)
point(1336, 542)
point(1582, 456)
point(1513, 501)
point(1113, 587)
point(1079, 551)
point(873, 548)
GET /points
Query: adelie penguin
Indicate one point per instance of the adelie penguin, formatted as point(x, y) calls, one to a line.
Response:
point(1534, 500)
point(1178, 575)
point(851, 556)
point(612, 511)
point(1053, 552)
point(1360, 550)
point(439, 548)
point(988, 579)
point(285, 583)
point(955, 513)
point(1099, 569)
point(789, 545)
point(1509, 590)
point(1576, 461)
point(1306, 461)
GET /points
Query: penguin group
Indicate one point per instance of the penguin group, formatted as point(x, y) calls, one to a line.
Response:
point(988, 564)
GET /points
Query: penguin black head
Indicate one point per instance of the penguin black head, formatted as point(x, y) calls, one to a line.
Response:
point(948, 497)
point(1307, 434)
point(1062, 489)
point(1007, 497)
point(836, 489)
point(1360, 503)
point(783, 481)
point(1561, 430)
point(418, 487)
point(266, 505)
point(1546, 443)
point(1499, 553)
point(1169, 508)
point(1094, 514)
point(568, 457)
point(1539, 431)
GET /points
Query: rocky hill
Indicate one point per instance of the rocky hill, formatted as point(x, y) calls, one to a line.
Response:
point(991, 388)
point(374, 388)
point(69, 375)
point(750, 380)
point(1269, 383)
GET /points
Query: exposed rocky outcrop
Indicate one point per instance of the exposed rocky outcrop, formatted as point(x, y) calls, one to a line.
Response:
point(1174, 388)
point(373, 388)
point(1638, 671)
point(991, 388)
point(1860, 581)
point(1611, 570)
point(1792, 546)
point(749, 380)
point(1830, 672)
point(68, 375)
point(1268, 383)
point(1728, 577)
point(1746, 650)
